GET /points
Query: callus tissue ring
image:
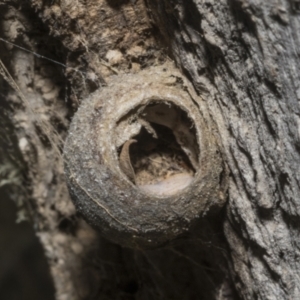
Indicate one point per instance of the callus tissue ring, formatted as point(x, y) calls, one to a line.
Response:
point(141, 159)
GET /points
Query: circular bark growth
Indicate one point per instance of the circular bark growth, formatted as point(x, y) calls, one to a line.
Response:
point(141, 159)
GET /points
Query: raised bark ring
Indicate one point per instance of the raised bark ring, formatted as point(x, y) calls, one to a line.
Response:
point(141, 159)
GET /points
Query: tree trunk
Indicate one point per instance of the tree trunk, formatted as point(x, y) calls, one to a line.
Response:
point(242, 58)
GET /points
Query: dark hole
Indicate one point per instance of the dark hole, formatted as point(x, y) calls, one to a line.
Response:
point(131, 287)
point(283, 180)
point(117, 4)
point(68, 225)
point(281, 254)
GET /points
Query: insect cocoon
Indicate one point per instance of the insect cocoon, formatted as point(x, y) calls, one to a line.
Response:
point(142, 160)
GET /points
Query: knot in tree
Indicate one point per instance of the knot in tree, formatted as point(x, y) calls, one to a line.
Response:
point(142, 160)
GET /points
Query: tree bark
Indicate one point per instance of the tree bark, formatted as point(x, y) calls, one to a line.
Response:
point(242, 58)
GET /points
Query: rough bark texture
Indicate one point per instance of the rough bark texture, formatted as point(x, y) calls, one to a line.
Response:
point(242, 57)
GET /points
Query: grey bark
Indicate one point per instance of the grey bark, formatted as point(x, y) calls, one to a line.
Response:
point(242, 57)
